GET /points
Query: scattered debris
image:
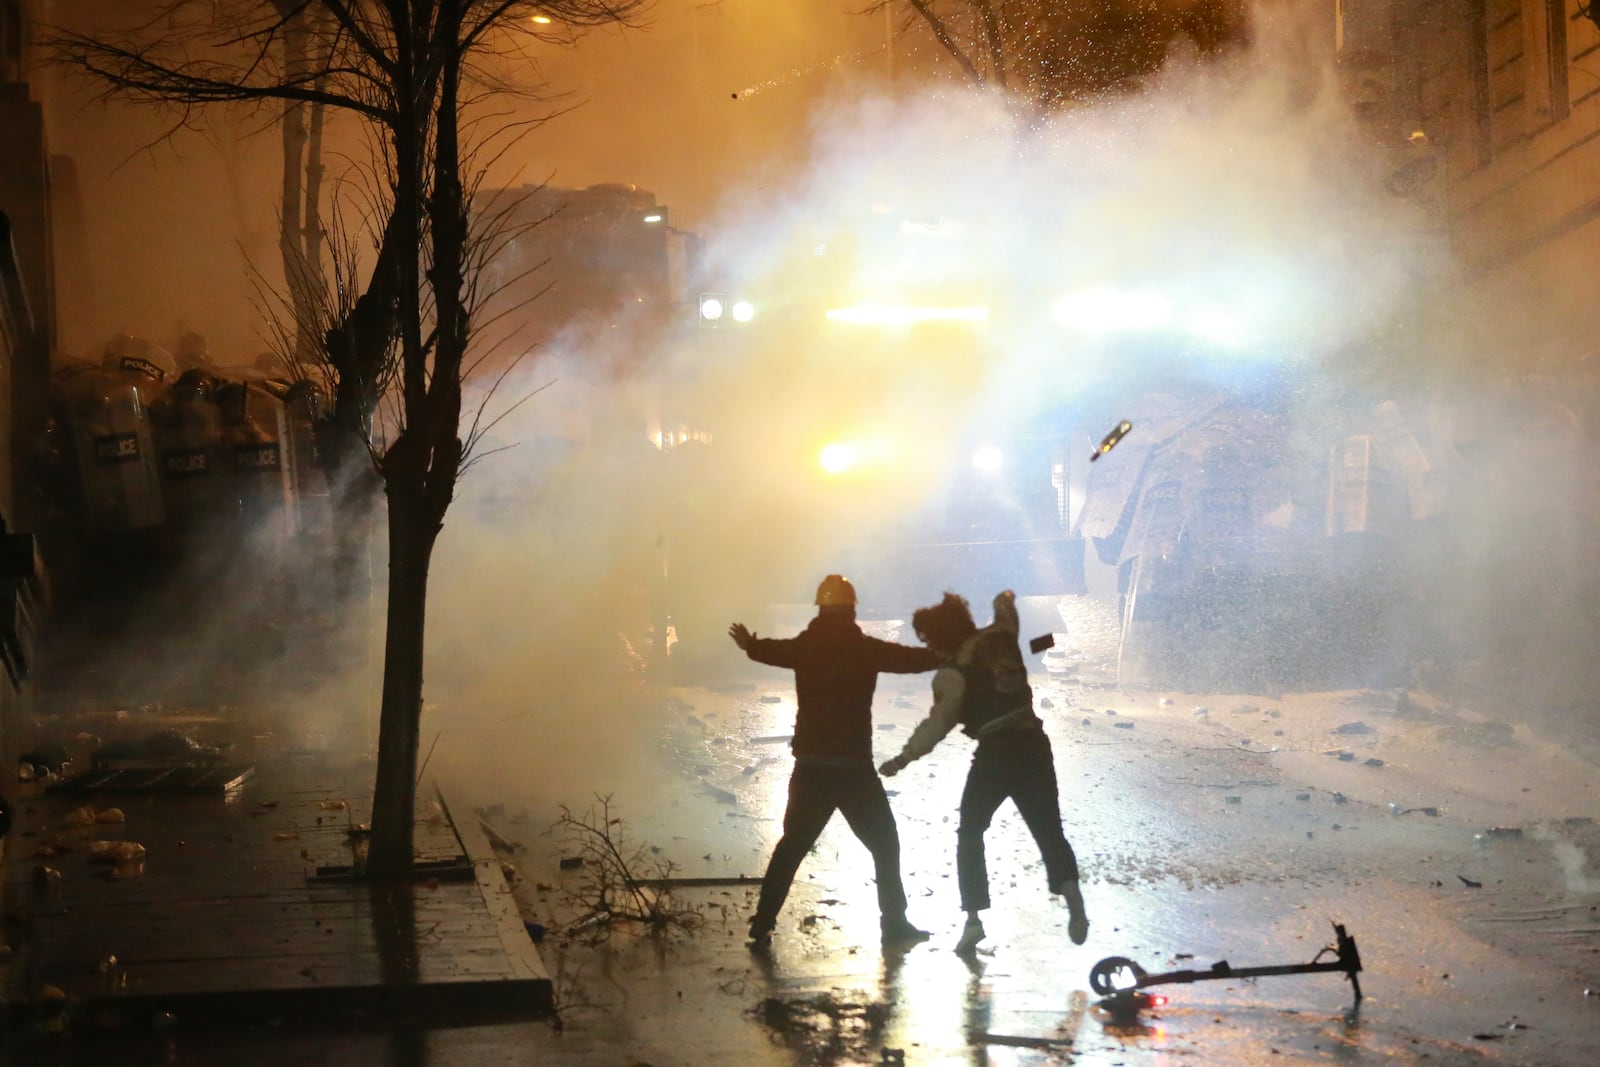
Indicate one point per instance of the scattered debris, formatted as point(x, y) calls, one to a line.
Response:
point(162, 746)
point(616, 884)
point(1406, 708)
point(1373, 762)
point(115, 851)
point(721, 796)
point(1396, 809)
point(49, 758)
point(1504, 832)
point(1017, 1041)
point(83, 816)
point(769, 698)
point(1469, 883)
point(1123, 725)
point(1357, 727)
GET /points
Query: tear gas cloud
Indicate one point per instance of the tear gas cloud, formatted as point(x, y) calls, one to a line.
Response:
point(1242, 194)
point(1235, 211)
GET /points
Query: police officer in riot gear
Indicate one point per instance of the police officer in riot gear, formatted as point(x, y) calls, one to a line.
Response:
point(983, 688)
point(836, 669)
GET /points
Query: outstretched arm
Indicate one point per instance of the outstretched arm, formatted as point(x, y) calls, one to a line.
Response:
point(902, 659)
point(1005, 612)
point(773, 652)
point(948, 687)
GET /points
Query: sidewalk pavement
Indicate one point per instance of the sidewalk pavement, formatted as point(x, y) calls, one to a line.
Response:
point(186, 902)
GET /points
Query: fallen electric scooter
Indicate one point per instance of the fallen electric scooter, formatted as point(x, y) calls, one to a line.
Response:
point(1121, 983)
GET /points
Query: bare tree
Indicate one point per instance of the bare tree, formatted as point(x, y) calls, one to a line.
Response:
point(1050, 53)
point(406, 68)
point(300, 236)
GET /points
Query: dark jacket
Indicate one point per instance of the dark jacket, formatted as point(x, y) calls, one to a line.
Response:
point(836, 670)
point(996, 681)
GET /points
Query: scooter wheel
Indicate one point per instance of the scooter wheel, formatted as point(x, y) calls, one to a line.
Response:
point(1115, 974)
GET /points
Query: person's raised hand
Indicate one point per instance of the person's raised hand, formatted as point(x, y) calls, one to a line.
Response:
point(741, 635)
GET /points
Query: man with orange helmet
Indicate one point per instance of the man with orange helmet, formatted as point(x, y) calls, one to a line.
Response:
point(836, 669)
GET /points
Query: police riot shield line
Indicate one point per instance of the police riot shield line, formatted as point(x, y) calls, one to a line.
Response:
point(190, 452)
point(108, 409)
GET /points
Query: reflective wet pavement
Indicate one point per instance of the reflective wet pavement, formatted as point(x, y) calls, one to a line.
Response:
point(1237, 833)
point(1198, 845)
point(237, 906)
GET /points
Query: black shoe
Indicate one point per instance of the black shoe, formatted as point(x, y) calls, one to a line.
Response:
point(971, 935)
point(901, 932)
point(760, 931)
point(1078, 918)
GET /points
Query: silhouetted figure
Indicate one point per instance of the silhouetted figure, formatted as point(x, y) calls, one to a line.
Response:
point(983, 688)
point(836, 669)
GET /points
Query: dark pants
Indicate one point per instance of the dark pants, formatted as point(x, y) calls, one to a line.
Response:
point(816, 791)
point(1014, 764)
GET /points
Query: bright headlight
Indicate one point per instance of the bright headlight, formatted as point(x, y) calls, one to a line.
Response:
point(838, 457)
point(711, 309)
point(1112, 310)
point(743, 311)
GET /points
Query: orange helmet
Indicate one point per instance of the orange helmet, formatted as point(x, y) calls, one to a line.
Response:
point(836, 591)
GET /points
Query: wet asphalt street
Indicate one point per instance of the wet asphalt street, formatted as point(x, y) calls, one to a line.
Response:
point(1209, 828)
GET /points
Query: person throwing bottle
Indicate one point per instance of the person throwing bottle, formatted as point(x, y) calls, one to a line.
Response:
point(983, 688)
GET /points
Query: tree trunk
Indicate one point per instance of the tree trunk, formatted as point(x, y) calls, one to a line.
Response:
point(394, 797)
point(403, 466)
point(298, 270)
